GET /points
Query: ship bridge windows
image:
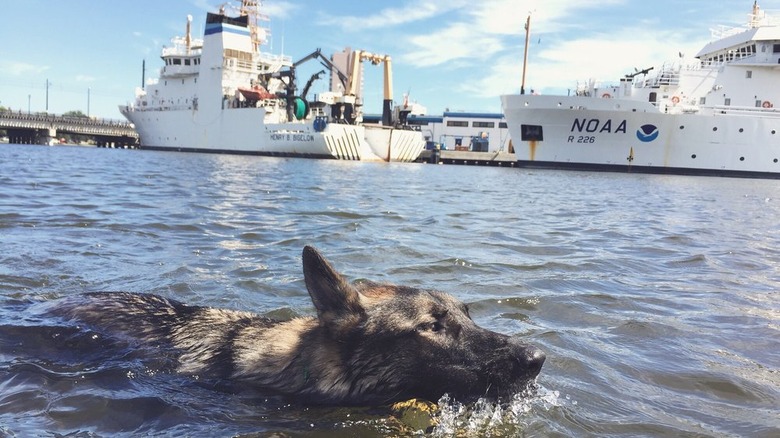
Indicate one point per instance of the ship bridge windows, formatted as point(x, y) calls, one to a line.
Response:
point(459, 123)
point(775, 48)
point(237, 54)
point(182, 61)
point(731, 54)
point(483, 124)
point(237, 58)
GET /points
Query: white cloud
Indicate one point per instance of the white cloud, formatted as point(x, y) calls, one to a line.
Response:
point(409, 13)
point(15, 68)
point(564, 49)
point(279, 10)
point(490, 27)
point(508, 17)
point(560, 67)
point(452, 43)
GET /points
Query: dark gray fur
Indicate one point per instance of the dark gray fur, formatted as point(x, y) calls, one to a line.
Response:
point(369, 344)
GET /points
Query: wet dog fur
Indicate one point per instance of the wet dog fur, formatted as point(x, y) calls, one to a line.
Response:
point(370, 343)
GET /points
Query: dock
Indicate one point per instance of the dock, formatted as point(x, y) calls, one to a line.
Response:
point(500, 158)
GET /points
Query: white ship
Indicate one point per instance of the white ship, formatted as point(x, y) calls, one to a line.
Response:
point(221, 94)
point(713, 116)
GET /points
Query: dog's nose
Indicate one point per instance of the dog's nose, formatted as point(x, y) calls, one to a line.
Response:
point(529, 359)
point(534, 359)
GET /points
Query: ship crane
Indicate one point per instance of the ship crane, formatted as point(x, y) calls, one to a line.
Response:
point(311, 80)
point(359, 56)
point(325, 62)
point(297, 106)
point(638, 72)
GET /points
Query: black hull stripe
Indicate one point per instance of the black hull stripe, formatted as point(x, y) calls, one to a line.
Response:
point(238, 152)
point(621, 168)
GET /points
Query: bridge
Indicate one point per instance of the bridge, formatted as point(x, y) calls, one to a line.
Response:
point(23, 128)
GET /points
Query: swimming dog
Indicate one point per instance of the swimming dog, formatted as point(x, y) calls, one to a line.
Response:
point(370, 343)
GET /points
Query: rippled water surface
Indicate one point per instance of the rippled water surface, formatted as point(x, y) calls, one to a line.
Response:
point(654, 297)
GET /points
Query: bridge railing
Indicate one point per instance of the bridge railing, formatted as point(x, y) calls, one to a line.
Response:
point(53, 118)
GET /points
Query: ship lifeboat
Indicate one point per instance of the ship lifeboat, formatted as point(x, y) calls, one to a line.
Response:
point(256, 93)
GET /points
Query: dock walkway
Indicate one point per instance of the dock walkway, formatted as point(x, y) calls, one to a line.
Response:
point(505, 159)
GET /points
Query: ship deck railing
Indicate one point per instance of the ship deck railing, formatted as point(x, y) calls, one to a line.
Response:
point(747, 111)
point(142, 108)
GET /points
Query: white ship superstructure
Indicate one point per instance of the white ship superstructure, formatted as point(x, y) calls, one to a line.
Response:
point(714, 115)
point(222, 94)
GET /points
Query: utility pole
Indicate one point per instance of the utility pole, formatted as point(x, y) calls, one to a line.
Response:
point(88, 89)
point(47, 95)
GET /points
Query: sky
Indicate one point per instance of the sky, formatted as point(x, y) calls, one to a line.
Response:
point(449, 55)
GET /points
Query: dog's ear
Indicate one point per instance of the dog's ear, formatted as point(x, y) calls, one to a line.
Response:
point(337, 301)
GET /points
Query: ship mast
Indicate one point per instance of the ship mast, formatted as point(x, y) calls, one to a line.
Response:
point(188, 35)
point(525, 51)
point(251, 8)
point(755, 16)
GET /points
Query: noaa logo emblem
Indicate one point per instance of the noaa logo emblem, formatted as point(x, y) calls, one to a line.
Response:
point(647, 133)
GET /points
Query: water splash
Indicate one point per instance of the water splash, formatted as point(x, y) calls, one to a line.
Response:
point(491, 418)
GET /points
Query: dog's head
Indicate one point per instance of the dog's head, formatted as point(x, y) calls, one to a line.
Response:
point(397, 342)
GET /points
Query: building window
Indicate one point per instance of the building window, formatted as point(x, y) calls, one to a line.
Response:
point(186, 62)
point(458, 123)
point(176, 61)
point(502, 125)
point(483, 124)
point(775, 48)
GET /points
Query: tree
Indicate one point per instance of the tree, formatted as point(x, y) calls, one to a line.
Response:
point(76, 113)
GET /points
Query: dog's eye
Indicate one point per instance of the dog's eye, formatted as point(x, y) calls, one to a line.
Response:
point(434, 327)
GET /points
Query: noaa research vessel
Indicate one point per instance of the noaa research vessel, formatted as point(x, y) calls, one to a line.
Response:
point(221, 94)
point(713, 116)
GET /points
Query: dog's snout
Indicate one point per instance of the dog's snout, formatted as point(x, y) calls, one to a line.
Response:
point(533, 359)
point(529, 359)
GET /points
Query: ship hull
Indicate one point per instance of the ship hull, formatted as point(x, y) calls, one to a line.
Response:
point(393, 144)
point(581, 133)
point(243, 131)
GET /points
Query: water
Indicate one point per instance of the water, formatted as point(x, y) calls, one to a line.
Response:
point(654, 297)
